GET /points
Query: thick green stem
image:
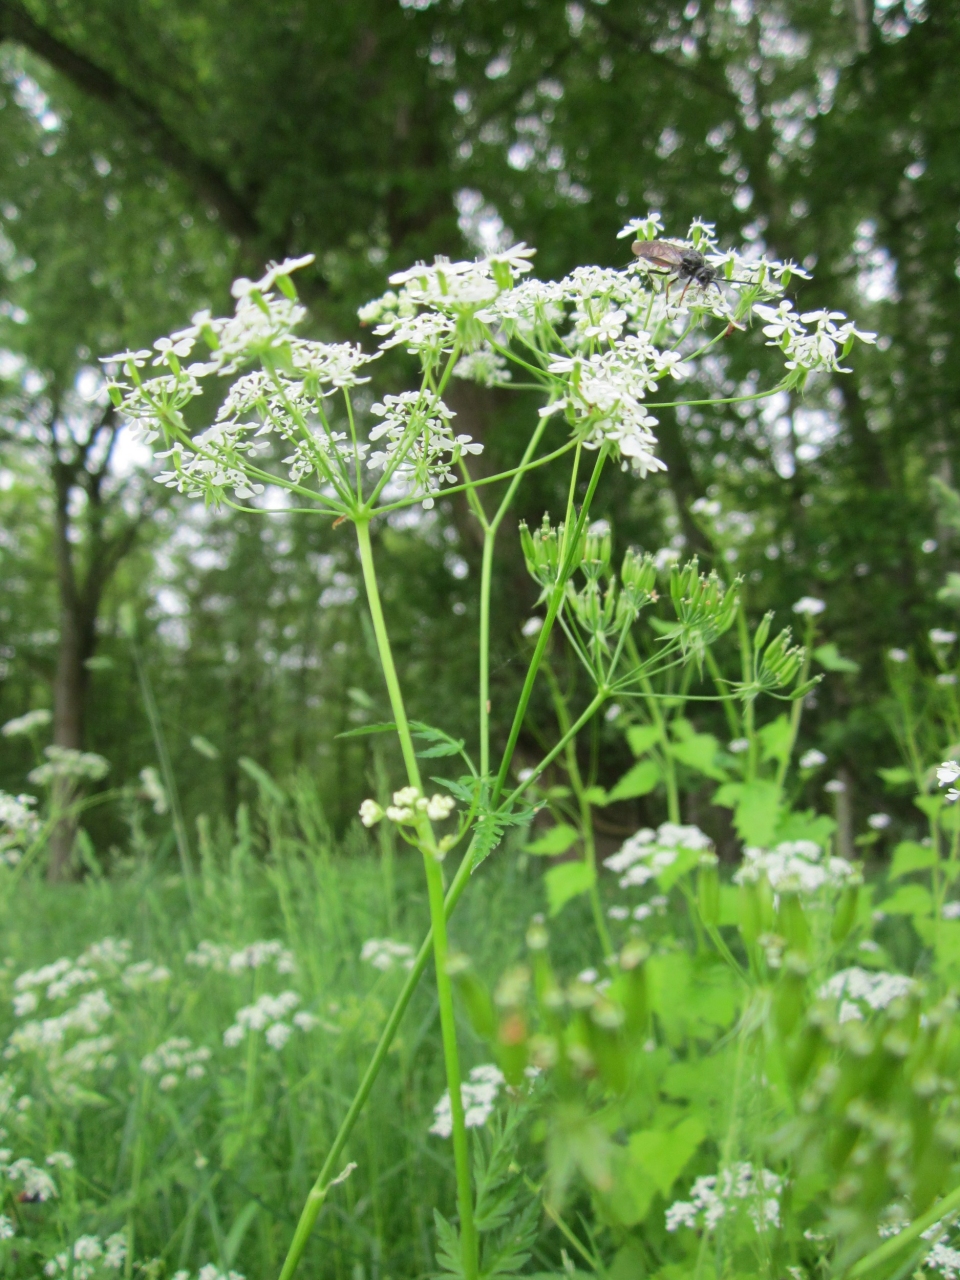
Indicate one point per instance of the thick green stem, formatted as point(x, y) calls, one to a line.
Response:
point(438, 922)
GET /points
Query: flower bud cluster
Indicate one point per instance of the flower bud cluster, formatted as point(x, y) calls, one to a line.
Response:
point(408, 805)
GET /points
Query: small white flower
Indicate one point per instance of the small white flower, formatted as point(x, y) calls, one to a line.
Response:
point(532, 626)
point(439, 807)
point(370, 813)
point(879, 821)
point(835, 787)
point(948, 772)
point(809, 606)
point(739, 745)
point(479, 1095)
point(898, 655)
point(384, 953)
point(946, 678)
point(812, 759)
point(278, 1035)
point(941, 637)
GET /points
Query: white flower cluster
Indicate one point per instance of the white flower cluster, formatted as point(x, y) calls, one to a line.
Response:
point(267, 1014)
point(854, 988)
point(88, 1255)
point(813, 340)
point(591, 334)
point(479, 1095)
point(38, 1186)
point(712, 1198)
point(408, 804)
point(27, 724)
point(419, 448)
point(173, 1056)
point(648, 852)
point(209, 1272)
point(144, 974)
point(67, 762)
point(19, 826)
point(796, 866)
point(384, 954)
point(223, 959)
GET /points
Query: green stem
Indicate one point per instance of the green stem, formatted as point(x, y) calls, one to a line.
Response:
point(438, 921)
point(318, 1193)
point(586, 818)
point(890, 1248)
point(553, 608)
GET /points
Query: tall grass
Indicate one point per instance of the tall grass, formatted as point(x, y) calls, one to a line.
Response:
point(215, 1169)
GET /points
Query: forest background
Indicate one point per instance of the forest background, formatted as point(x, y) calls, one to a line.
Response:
point(151, 152)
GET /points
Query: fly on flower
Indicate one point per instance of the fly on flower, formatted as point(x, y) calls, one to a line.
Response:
point(680, 260)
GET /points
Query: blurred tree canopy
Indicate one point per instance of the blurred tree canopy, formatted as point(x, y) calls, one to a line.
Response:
point(149, 152)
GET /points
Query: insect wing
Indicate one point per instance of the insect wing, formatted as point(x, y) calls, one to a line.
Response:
point(659, 253)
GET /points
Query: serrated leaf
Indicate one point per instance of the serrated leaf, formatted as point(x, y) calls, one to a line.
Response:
point(776, 739)
point(363, 730)
point(441, 749)
point(566, 882)
point(449, 1257)
point(698, 751)
point(555, 841)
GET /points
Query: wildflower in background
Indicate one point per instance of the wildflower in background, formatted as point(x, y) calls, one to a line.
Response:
point(876, 990)
point(154, 790)
point(812, 759)
point(648, 852)
point(173, 1056)
point(19, 826)
point(714, 1197)
point(27, 724)
point(809, 606)
point(796, 865)
point(479, 1095)
point(532, 626)
point(835, 787)
point(66, 762)
point(898, 655)
point(879, 821)
point(7, 1229)
point(940, 637)
point(408, 803)
point(384, 953)
point(739, 745)
point(265, 1014)
point(256, 955)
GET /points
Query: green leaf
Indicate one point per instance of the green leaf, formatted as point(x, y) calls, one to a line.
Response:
point(776, 739)
point(909, 900)
point(364, 729)
point(567, 881)
point(829, 657)
point(757, 810)
point(231, 1246)
point(441, 749)
point(909, 856)
point(638, 781)
point(641, 737)
point(594, 795)
point(665, 1154)
point(698, 751)
point(557, 840)
point(898, 776)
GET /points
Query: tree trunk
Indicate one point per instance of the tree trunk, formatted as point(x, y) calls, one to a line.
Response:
point(69, 699)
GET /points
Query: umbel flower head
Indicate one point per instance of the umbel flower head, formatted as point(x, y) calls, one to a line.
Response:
point(600, 341)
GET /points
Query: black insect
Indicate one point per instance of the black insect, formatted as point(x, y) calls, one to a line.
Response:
point(688, 265)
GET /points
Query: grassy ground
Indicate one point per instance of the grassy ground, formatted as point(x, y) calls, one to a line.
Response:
point(205, 1153)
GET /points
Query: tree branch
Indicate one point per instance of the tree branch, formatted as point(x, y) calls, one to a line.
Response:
point(97, 82)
